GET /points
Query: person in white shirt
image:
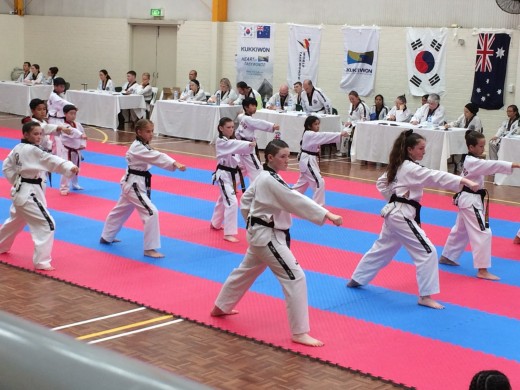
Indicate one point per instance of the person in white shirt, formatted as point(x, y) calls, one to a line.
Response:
point(432, 112)
point(128, 88)
point(26, 72)
point(51, 74)
point(195, 94)
point(35, 77)
point(509, 127)
point(358, 112)
point(57, 101)
point(226, 93)
point(267, 206)
point(399, 112)
point(282, 100)
point(378, 111)
point(146, 90)
point(105, 81)
point(314, 100)
point(298, 88)
point(191, 76)
point(245, 91)
point(468, 119)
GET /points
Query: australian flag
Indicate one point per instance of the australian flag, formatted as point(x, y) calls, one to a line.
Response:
point(263, 31)
point(490, 70)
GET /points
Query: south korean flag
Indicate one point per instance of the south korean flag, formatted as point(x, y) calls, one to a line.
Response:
point(426, 60)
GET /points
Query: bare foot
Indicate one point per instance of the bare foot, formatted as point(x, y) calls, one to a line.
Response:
point(214, 228)
point(48, 268)
point(516, 240)
point(231, 239)
point(153, 253)
point(353, 283)
point(429, 302)
point(445, 260)
point(306, 339)
point(483, 273)
point(217, 312)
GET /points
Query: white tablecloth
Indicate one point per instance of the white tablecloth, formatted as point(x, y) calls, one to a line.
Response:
point(100, 108)
point(373, 141)
point(509, 151)
point(291, 126)
point(190, 120)
point(15, 97)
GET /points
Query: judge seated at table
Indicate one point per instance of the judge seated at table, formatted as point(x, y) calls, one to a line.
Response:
point(468, 120)
point(245, 91)
point(144, 89)
point(26, 74)
point(314, 100)
point(509, 127)
point(195, 94)
point(399, 112)
point(282, 100)
point(431, 113)
point(227, 94)
point(35, 76)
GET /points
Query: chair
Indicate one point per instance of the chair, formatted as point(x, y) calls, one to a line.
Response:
point(118, 89)
point(155, 90)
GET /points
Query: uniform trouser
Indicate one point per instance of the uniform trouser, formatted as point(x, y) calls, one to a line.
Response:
point(251, 167)
point(134, 199)
point(399, 231)
point(518, 234)
point(287, 271)
point(41, 225)
point(226, 209)
point(314, 180)
point(65, 182)
point(468, 229)
point(494, 146)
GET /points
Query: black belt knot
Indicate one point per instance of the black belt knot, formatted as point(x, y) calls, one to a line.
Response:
point(32, 181)
point(147, 179)
point(233, 172)
point(413, 203)
point(259, 221)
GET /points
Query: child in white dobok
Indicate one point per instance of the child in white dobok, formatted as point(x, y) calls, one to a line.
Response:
point(228, 149)
point(25, 167)
point(310, 175)
point(267, 205)
point(472, 225)
point(402, 185)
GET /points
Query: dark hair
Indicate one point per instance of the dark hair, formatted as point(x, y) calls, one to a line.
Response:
point(382, 99)
point(515, 109)
point(27, 63)
point(36, 66)
point(69, 107)
point(407, 139)
point(489, 380)
point(27, 128)
point(298, 83)
point(35, 103)
point(472, 137)
point(310, 121)
point(105, 72)
point(142, 123)
point(59, 81)
point(248, 101)
point(54, 70)
point(242, 84)
point(196, 82)
point(353, 93)
point(132, 72)
point(221, 123)
point(274, 147)
point(425, 96)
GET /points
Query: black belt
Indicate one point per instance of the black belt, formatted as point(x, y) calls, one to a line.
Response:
point(147, 179)
point(233, 172)
point(259, 221)
point(415, 204)
point(32, 181)
point(310, 153)
point(484, 196)
point(58, 117)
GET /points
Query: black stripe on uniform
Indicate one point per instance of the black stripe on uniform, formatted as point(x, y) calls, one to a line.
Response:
point(418, 235)
point(44, 212)
point(479, 219)
point(141, 199)
point(224, 191)
point(313, 175)
point(281, 260)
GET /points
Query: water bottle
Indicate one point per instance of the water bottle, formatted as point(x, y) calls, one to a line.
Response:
point(289, 105)
point(277, 134)
point(175, 95)
point(218, 98)
point(265, 102)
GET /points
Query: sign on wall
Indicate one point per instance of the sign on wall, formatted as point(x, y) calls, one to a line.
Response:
point(304, 53)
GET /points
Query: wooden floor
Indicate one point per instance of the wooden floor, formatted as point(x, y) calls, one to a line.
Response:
point(209, 356)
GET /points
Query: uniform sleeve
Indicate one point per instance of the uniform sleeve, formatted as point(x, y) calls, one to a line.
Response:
point(53, 163)
point(418, 114)
point(9, 168)
point(439, 115)
point(246, 201)
point(327, 104)
point(49, 129)
point(258, 124)
point(402, 115)
point(152, 157)
point(424, 177)
point(76, 133)
point(458, 122)
point(231, 97)
point(283, 198)
point(490, 167)
point(234, 146)
point(383, 187)
point(322, 138)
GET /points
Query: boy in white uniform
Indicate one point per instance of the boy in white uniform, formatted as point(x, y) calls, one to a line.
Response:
point(472, 225)
point(246, 132)
point(25, 168)
point(227, 149)
point(267, 206)
point(136, 188)
point(73, 143)
point(56, 102)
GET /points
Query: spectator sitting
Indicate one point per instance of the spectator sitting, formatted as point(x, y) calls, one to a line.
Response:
point(195, 93)
point(399, 112)
point(51, 74)
point(378, 111)
point(191, 76)
point(509, 127)
point(105, 81)
point(26, 73)
point(282, 100)
point(35, 77)
point(314, 100)
point(432, 112)
point(227, 94)
point(245, 91)
point(468, 120)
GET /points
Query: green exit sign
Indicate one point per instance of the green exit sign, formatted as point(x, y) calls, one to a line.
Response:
point(156, 12)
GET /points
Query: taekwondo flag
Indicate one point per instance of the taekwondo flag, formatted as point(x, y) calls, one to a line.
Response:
point(490, 70)
point(360, 58)
point(426, 60)
point(304, 53)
